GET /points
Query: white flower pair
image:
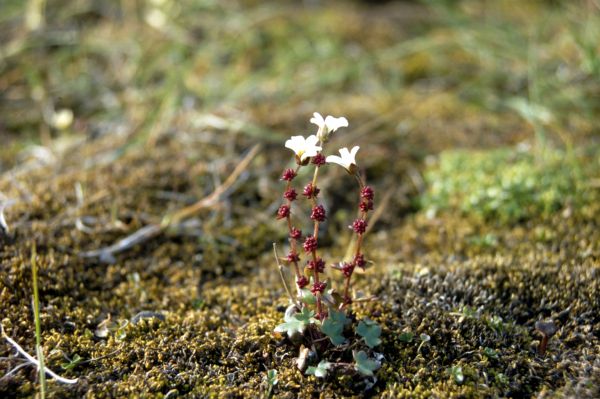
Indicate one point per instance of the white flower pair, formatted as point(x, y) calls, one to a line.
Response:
point(307, 147)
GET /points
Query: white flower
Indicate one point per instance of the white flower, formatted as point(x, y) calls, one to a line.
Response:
point(328, 125)
point(62, 119)
point(303, 147)
point(347, 159)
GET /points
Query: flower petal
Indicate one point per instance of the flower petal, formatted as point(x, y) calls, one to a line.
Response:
point(335, 159)
point(295, 143)
point(334, 123)
point(312, 140)
point(317, 119)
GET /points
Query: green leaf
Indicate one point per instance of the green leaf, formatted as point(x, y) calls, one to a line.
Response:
point(364, 364)
point(272, 377)
point(297, 322)
point(72, 363)
point(406, 337)
point(320, 371)
point(333, 326)
point(496, 323)
point(370, 331)
point(307, 297)
point(490, 353)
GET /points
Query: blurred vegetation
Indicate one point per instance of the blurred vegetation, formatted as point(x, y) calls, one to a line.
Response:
point(510, 185)
point(154, 66)
point(114, 114)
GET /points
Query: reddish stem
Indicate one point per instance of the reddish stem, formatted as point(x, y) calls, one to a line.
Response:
point(293, 243)
point(316, 236)
point(363, 216)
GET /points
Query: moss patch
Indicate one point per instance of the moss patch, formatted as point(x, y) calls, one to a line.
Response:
point(510, 185)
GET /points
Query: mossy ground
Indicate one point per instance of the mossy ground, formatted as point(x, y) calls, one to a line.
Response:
point(172, 110)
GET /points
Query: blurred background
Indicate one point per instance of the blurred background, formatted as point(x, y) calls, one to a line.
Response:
point(156, 89)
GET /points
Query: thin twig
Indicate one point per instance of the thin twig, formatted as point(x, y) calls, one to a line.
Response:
point(34, 361)
point(214, 197)
point(280, 269)
point(24, 363)
point(152, 230)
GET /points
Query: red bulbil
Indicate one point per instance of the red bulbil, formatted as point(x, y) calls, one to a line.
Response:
point(347, 269)
point(359, 260)
point(318, 287)
point(310, 244)
point(292, 257)
point(366, 206)
point(310, 192)
point(290, 194)
point(318, 213)
point(288, 175)
point(302, 281)
point(367, 193)
point(319, 265)
point(318, 159)
point(359, 226)
point(295, 233)
point(283, 212)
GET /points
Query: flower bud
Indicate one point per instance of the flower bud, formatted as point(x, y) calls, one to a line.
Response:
point(319, 265)
point(302, 281)
point(318, 287)
point(283, 212)
point(318, 213)
point(318, 159)
point(292, 257)
point(295, 233)
point(310, 244)
point(367, 193)
point(359, 226)
point(310, 192)
point(290, 194)
point(288, 174)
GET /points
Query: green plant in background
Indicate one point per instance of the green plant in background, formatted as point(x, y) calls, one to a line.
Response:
point(505, 184)
point(318, 313)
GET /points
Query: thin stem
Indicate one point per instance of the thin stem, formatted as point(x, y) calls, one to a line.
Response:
point(316, 235)
point(293, 243)
point(280, 268)
point(359, 179)
point(36, 316)
point(316, 277)
point(357, 252)
point(314, 200)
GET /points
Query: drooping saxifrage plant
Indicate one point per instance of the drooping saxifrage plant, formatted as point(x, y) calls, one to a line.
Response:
point(318, 317)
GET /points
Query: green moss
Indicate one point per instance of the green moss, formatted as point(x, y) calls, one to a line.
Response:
point(508, 185)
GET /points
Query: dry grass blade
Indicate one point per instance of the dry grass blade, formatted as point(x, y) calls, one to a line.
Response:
point(215, 196)
point(147, 232)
